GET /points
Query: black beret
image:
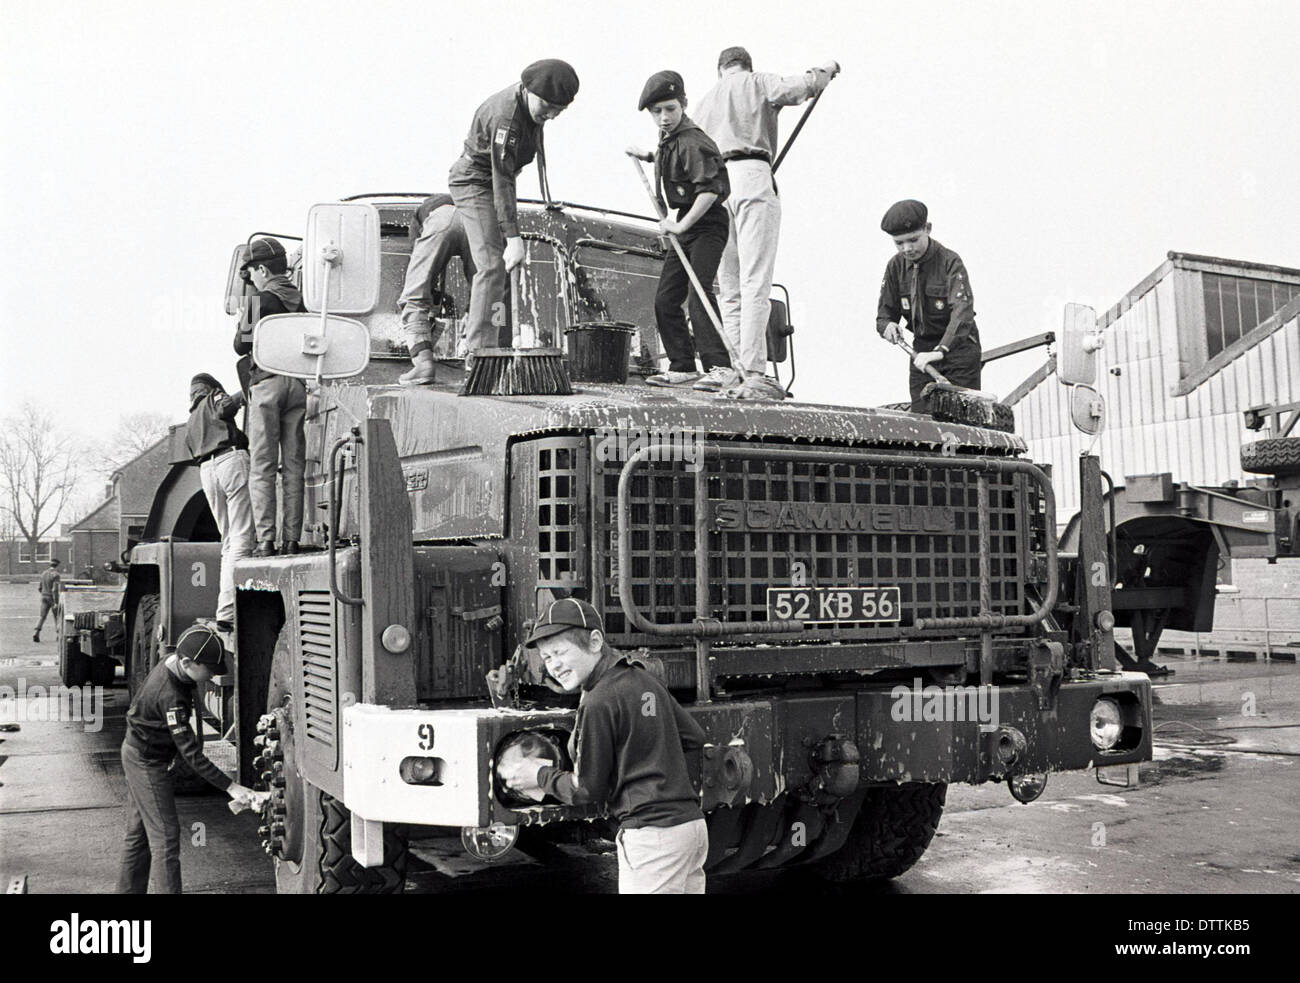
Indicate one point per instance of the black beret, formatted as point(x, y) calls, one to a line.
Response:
point(207, 380)
point(552, 79)
point(661, 86)
point(904, 217)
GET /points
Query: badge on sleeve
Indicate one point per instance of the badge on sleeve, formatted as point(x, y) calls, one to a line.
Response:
point(171, 719)
point(906, 306)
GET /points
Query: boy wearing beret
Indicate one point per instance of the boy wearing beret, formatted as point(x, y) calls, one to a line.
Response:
point(504, 136)
point(690, 172)
point(629, 746)
point(926, 285)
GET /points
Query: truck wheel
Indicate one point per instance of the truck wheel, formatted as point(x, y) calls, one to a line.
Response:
point(307, 831)
point(1276, 455)
point(891, 831)
point(144, 644)
point(74, 665)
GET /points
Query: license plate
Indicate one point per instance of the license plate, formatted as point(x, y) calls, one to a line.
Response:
point(833, 605)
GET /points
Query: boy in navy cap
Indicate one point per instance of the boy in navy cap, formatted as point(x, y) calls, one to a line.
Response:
point(926, 284)
point(504, 136)
point(689, 168)
point(277, 404)
point(628, 748)
point(157, 729)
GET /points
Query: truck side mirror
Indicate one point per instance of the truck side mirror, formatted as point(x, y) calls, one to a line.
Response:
point(778, 331)
point(340, 258)
point(1076, 357)
point(1087, 409)
point(311, 346)
point(234, 282)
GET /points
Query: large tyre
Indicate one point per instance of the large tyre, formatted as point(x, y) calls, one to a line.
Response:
point(892, 830)
point(312, 839)
point(144, 642)
point(1275, 455)
point(74, 665)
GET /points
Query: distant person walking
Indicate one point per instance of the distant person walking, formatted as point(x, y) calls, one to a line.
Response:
point(49, 589)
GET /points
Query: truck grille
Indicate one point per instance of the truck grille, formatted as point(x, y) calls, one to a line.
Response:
point(319, 674)
point(834, 524)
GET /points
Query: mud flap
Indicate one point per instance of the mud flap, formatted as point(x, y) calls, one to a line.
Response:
point(367, 841)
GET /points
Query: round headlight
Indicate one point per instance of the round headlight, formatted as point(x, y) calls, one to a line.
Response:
point(1104, 724)
point(488, 843)
point(421, 771)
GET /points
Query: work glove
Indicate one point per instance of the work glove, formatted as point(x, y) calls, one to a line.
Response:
point(892, 333)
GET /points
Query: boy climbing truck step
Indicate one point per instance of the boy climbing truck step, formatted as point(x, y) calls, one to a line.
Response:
point(857, 608)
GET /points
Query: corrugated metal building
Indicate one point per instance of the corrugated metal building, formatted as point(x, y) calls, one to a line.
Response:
point(1186, 351)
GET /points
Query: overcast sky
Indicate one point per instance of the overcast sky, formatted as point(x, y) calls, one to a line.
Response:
point(1063, 149)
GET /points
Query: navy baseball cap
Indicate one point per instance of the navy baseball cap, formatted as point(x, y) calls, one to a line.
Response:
point(561, 615)
point(203, 645)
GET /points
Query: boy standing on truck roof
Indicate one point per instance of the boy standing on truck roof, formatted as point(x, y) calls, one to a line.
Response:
point(628, 748)
point(689, 169)
point(439, 234)
point(157, 728)
point(926, 285)
point(740, 114)
point(48, 586)
point(277, 404)
point(504, 136)
point(221, 452)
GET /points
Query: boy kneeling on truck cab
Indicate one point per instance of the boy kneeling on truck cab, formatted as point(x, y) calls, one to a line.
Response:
point(628, 749)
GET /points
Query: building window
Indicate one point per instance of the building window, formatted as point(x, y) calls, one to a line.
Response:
point(1235, 306)
point(44, 552)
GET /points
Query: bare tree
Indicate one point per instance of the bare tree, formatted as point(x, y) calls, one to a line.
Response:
point(135, 434)
point(38, 472)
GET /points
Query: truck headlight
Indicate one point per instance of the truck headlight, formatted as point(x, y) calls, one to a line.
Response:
point(1104, 724)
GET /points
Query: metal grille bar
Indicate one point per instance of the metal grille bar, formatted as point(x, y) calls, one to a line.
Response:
point(850, 518)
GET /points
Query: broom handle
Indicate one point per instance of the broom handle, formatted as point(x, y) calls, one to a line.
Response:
point(934, 373)
point(690, 271)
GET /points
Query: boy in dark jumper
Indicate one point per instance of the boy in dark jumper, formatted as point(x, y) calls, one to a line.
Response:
point(690, 172)
point(628, 749)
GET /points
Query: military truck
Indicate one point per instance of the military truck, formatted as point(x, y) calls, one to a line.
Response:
point(859, 606)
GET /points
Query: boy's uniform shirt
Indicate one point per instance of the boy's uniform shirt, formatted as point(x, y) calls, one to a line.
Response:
point(933, 295)
point(687, 165)
point(277, 296)
point(211, 426)
point(503, 138)
point(158, 724)
point(627, 748)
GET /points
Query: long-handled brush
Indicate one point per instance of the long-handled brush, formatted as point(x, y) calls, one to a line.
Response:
point(957, 404)
point(518, 372)
point(662, 211)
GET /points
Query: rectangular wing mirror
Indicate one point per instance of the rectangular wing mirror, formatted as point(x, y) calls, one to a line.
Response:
point(298, 345)
point(234, 284)
point(778, 332)
point(340, 258)
point(1076, 355)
